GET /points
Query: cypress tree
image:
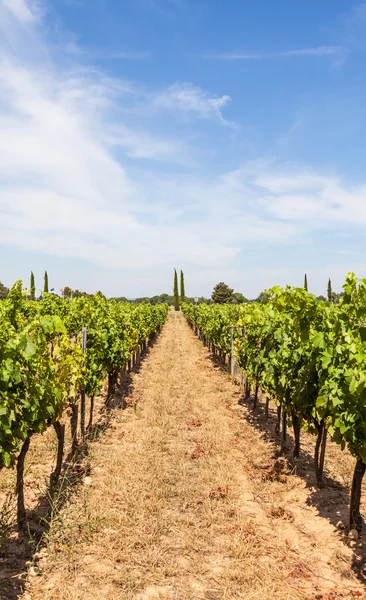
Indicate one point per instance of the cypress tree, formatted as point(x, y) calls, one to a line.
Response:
point(306, 283)
point(176, 292)
point(45, 288)
point(32, 287)
point(329, 291)
point(182, 291)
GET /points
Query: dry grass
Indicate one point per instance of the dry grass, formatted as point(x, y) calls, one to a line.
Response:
point(185, 501)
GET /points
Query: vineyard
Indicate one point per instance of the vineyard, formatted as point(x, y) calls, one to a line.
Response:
point(182, 496)
point(309, 357)
point(53, 354)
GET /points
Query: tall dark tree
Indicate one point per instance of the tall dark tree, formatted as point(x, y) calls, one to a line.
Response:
point(45, 287)
point(306, 283)
point(4, 291)
point(32, 287)
point(222, 293)
point(176, 292)
point(182, 290)
point(330, 296)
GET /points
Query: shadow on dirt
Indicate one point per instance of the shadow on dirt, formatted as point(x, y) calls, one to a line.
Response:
point(20, 552)
point(331, 498)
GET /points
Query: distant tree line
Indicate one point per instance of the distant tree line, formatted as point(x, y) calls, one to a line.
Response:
point(161, 299)
point(31, 292)
point(222, 294)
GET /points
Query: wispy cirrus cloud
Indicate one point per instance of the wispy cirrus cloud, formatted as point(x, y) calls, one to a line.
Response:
point(140, 143)
point(64, 192)
point(115, 55)
point(192, 99)
point(90, 54)
point(354, 24)
point(25, 12)
point(316, 51)
point(166, 8)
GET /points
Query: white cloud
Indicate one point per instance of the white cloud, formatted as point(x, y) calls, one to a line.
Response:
point(63, 191)
point(306, 197)
point(140, 143)
point(68, 188)
point(316, 51)
point(25, 11)
point(115, 55)
point(79, 52)
point(188, 98)
point(338, 55)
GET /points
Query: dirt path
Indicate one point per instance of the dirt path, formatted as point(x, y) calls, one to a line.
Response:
point(185, 501)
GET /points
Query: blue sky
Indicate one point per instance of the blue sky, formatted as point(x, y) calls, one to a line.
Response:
point(224, 138)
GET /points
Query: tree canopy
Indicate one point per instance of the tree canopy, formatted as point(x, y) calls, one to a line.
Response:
point(4, 291)
point(239, 298)
point(222, 294)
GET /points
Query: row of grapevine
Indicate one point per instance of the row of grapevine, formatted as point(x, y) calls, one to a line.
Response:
point(43, 369)
point(309, 357)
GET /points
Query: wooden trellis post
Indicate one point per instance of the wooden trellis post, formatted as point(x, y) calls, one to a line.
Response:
point(82, 402)
point(232, 353)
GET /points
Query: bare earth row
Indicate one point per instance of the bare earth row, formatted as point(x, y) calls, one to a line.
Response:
point(187, 499)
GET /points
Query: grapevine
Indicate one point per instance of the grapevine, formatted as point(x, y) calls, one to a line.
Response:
point(309, 356)
point(43, 370)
